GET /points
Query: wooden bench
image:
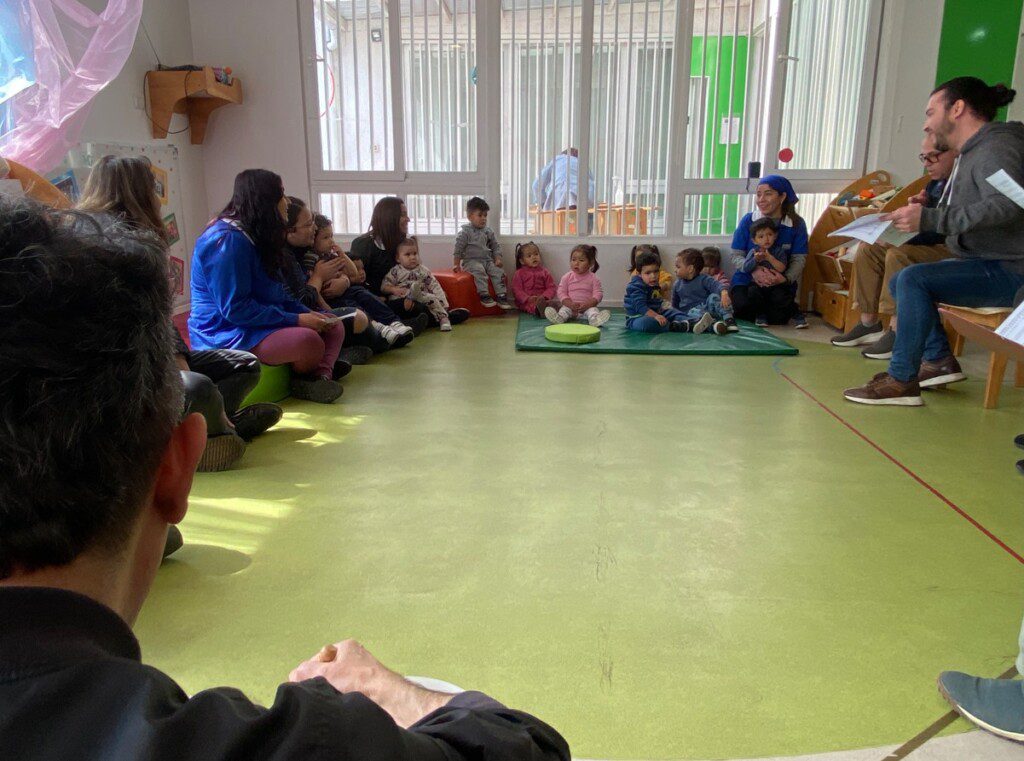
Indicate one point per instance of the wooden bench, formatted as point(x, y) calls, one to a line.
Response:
point(979, 325)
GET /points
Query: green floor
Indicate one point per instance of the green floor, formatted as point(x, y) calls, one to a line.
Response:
point(662, 556)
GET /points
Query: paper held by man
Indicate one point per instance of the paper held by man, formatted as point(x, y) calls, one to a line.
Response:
point(871, 228)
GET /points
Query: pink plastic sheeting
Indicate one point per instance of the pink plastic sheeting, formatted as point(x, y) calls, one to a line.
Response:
point(78, 52)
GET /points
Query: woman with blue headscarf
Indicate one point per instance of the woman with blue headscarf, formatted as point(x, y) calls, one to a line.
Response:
point(776, 304)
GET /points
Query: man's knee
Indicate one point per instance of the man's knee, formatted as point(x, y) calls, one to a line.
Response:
point(896, 260)
point(201, 394)
point(870, 257)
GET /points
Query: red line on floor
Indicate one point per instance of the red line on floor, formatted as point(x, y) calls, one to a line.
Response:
point(963, 513)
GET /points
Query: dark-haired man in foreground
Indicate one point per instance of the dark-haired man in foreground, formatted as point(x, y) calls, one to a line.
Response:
point(94, 466)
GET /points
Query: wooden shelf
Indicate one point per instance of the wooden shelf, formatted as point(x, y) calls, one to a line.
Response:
point(193, 93)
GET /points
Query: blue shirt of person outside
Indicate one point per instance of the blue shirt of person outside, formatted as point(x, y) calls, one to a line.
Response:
point(557, 184)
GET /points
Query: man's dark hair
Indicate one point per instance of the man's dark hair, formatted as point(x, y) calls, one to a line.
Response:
point(253, 205)
point(476, 203)
point(89, 392)
point(764, 223)
point(692, 256)
point(647, 259)
point(983, 100)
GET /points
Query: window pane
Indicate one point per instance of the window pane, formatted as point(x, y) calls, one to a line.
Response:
point(353, 84)
point(821, 106)
point(715, 213)
point(630, 116)
point(540, 110)
point(439, 77)
point(350, 212)
point(727, 68)
point(436, 214)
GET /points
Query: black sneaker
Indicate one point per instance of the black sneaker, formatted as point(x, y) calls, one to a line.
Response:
point(459, 315)
point(720, 328)
point(319, 390)
point(341, 369)
point(882, 348)
point(418, 323)
point(680, 326)
point(174, 541)
point(1020, 467)
point(859, 335)
point(253, 420)
point(356, 355)
point(488, 302)
point(731, 325)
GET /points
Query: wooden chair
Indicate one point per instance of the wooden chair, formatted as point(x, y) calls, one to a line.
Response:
point(979, 325)
point(554, 222)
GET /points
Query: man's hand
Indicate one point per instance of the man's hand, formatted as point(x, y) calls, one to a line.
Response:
point(336, 287)
point(349, 667)
point(920, 198)
point(906, 219)
point(313, 320)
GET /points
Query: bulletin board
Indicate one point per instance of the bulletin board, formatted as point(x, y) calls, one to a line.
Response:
point(167, 176)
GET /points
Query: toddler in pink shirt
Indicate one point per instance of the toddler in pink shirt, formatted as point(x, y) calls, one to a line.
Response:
point(579, 290)
point(532, 285)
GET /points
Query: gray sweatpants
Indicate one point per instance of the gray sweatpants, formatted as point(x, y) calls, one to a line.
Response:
point(481, 269)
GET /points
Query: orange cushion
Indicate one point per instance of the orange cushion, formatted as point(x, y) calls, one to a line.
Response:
point(461, 292)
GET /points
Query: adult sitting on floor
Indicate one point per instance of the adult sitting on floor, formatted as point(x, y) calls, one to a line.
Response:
point(984, 231)
point(776, 304)
point(876, 265)
point(299, 233)
point(90, 425)
point(238, 294)
point(377, 249)
point(217, 380)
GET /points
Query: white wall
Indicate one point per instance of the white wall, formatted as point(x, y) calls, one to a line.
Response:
point(259, 40)
point(117, 115)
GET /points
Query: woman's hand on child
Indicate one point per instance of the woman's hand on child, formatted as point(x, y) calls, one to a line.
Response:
point(327, 269)
point(336, 287)
point(662, 319)
point(399, 293)
point(408, 304)
point(313, 320)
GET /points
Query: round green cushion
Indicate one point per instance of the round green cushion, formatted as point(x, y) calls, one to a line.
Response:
point(572, 333)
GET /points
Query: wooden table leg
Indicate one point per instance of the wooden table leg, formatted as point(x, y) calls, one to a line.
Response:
point(996, 370)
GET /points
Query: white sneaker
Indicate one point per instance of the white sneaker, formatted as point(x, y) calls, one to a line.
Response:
point(389, 334)
point(599, 319)
point(703, 323)
point(554, 315)
point(446, 326)
point(400, 327)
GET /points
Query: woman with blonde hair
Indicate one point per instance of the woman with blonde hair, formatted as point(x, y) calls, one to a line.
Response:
point(216, 381)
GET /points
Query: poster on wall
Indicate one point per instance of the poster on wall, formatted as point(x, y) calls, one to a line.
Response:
point(166, 176)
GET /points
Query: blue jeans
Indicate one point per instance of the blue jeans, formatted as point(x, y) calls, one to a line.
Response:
point(645, 324)
point(712, 305)
point(920, 287)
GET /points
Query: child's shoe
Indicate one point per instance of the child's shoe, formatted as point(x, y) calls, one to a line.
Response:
point(446, 325)
point(731, 325)
point(761, 321)
point(503, 302)
point(487, 301)
point(799, 321)
point(456, 316)
point(397, 334)
point(599, 319)
point(680, 326)
point(720, 328)
point(703, 323)
point(554, 315)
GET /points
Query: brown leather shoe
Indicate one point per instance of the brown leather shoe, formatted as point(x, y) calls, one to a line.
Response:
point(935, 374)
point(884, 389)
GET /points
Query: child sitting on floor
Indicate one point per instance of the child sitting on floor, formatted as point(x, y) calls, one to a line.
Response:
point(532, 285)
point(579, 291)
point(703, 300)
point(645, 310)
point(477, 252)
point(712, 256)
point(412, 282)
point(664, 277)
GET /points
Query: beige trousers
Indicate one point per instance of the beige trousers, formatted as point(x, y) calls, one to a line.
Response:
point(874, 266)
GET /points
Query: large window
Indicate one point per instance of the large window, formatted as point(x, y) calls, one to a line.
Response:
point(584, 117)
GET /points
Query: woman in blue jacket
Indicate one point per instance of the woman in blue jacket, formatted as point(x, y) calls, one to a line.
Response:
point(238, 295)
point(776, 305)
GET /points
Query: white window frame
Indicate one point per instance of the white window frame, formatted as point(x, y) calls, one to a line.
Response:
point(486, 179)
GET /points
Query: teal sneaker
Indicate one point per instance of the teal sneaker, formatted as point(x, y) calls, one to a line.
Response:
point(996, 705)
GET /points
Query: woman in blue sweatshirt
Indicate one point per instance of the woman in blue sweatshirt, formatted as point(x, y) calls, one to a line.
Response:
point(238, 295)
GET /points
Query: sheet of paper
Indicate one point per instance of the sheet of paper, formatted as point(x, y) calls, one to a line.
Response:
point(11, 188)
point(1012, 328)
point(871, 229)
point(1006, 185)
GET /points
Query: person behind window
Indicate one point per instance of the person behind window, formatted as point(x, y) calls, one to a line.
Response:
point(557, 185)
point(90, 419)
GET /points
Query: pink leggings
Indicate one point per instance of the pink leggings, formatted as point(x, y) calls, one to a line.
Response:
point(307, 351)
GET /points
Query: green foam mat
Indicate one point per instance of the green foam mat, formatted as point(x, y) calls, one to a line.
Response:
point(616, 339)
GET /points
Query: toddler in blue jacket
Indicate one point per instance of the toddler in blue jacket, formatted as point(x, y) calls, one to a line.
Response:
point(645, 311)
point(703, 301)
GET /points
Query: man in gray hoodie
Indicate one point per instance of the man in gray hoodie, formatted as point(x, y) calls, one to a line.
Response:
point(984, 231)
